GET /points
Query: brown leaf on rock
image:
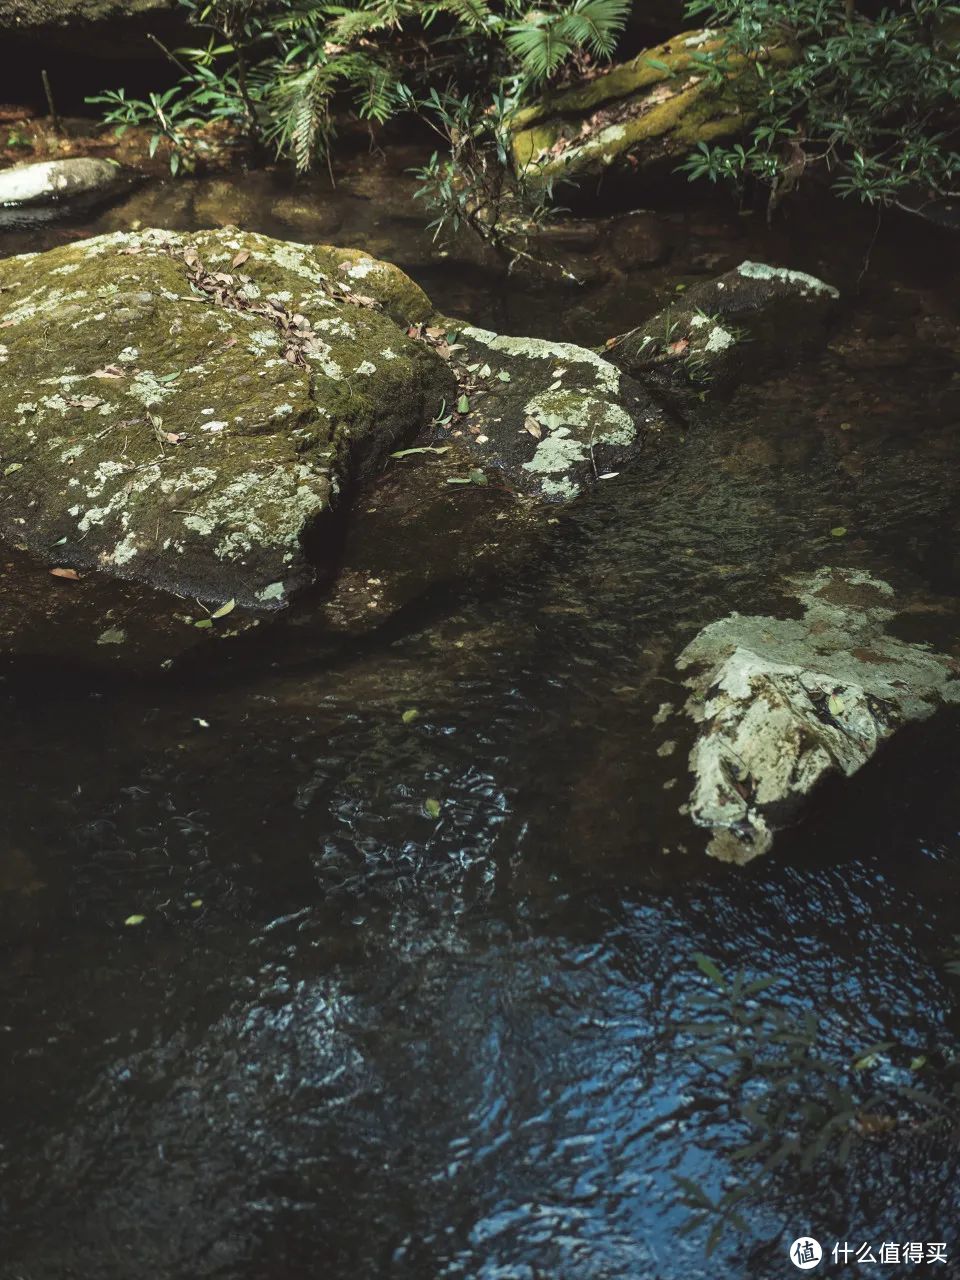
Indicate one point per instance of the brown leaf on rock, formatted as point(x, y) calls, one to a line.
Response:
point(240, 258)
point(678, 348)
point(109, 371)
point(70, 574)
point(534, 428)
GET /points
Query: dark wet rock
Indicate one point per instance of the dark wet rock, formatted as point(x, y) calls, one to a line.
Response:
point(58, 181)
point(638, 240)
point(185, 411)
point(93, 621)
point(640, 113)
point(722, 331)
point(551, 417)
point(781, 703)
point(461, 531)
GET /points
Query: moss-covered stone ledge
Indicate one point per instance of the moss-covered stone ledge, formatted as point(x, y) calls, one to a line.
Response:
point(187, 411)
point(655, 107)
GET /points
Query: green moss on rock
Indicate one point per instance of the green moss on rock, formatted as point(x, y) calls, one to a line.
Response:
point(194, 437)
point(657, 106)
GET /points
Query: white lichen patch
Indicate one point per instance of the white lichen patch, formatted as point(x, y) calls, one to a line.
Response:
point(366, 367)
point(556, 455)
point(719, 340)
point(605, 376)
point(806, 283)
point(596, 421)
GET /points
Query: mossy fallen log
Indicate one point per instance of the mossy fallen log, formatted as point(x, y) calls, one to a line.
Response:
point(656, 107)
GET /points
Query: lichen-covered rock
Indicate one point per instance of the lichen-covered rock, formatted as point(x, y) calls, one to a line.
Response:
point(724, 330)
point(552, 417)
point(655, 107)
point(185, 411)
point(57, 181)
point(781, 703)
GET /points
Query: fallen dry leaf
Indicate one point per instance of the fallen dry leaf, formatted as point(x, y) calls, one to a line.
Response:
point(109, 371)
point(66, 573)
point(678, 348)
point(533, 426)
point(240, 258)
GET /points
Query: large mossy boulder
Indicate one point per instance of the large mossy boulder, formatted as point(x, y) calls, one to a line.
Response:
point(656, 107)
point(187, 411)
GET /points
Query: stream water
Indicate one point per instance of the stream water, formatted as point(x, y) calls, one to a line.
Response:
point(352, 1039)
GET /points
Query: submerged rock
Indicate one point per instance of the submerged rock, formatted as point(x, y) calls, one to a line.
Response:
point(783, 702)
point(656, 107)
point(57, 181)
point(726, 329)
point(186, 411)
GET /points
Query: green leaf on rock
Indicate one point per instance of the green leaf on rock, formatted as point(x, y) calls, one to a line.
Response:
point(839, 531)
point(463, 404)
point(410, 715)
point(427, 448)
point(224, 609)
point(432, 808)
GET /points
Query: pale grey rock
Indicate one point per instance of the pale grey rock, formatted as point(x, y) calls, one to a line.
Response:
point(781, 703)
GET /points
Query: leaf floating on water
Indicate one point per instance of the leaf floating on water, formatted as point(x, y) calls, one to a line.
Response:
point(71, 574)
point(224, 609)
point(133, 920)
point(197, 903)
point(463, 404)
point(410, 715)
point(836, 704)
point(839, 531)
point(203, 623)
point(916, 1064)
point(426, 448)
point(432, 808)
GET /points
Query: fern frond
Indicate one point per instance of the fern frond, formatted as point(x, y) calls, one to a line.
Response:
point(540, 48)
point(474, 14)
point(597, 24)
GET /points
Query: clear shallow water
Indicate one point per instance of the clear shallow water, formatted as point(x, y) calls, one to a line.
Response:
point(385, 1044)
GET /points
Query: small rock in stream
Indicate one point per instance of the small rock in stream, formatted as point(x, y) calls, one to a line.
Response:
point(783, 702)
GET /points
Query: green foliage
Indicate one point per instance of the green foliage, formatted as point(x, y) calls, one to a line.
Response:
point(875, 98)
point(280, 73)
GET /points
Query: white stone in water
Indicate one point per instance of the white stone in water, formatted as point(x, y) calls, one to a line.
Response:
point(55, 180)
point(783, 702)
